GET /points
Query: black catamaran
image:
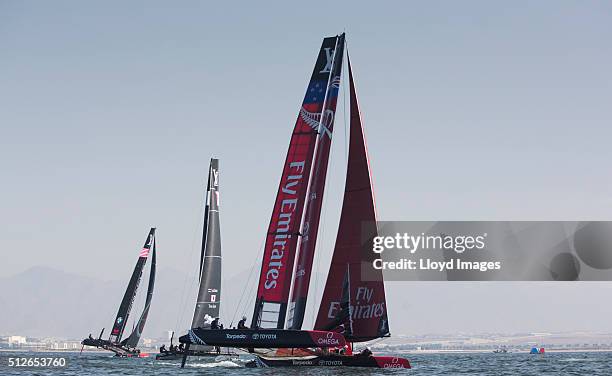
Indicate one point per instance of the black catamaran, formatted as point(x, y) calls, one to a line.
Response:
point(209, 293)
point(127, 346)
point(353, 307)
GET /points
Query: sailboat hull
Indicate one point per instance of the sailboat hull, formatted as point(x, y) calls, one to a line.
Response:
point(332, 360)
point(196, 354)
point(264, 338)
point(117, 348)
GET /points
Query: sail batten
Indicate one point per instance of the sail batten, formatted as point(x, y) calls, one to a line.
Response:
point(365, 318)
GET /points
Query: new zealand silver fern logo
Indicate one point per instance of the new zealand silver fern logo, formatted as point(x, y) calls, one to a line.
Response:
point(322, 124)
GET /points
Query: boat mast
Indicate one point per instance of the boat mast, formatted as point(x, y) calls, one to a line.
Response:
point(209, 293)
point(132, 340)
point(316, 189)
point(128, 298)
point(284, 229)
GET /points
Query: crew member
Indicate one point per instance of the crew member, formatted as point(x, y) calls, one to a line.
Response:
point(242, 323)
point(215, 324)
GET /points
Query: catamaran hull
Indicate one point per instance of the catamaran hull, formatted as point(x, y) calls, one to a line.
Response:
point(116, 348)
point(196, 354)
point(264, 338)
point(332, 361)
point(179, 356)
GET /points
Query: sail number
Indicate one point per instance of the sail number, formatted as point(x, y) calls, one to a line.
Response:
point(37, 362)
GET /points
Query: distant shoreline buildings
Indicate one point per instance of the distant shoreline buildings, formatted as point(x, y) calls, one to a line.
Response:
point(22, 343)
point(519, 342)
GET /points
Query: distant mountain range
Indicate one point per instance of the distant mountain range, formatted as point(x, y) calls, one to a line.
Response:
point(48, 302)
point(45, 302)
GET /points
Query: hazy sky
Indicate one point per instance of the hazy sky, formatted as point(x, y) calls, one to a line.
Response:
point(110, 111)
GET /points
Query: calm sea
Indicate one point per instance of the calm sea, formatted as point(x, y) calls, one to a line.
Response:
point(577, 363)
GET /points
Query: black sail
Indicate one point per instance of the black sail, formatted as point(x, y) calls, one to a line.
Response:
point(134, 337)
point(130, 292)
point(207, 304)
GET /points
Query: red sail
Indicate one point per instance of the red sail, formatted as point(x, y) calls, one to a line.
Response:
point(350, 304)
point(314, 201)
point(284, 229)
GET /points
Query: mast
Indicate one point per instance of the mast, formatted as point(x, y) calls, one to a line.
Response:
point(284, 229)
point(134, 337)
point(314, 201)
point(128, 298)
point(205, 226)
point(365, 316)
point(209, 294)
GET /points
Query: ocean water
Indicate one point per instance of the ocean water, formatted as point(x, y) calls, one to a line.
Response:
point(575, 363)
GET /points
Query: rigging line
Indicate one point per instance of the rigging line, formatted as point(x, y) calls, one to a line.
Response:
point(111, 315)
point(319, 295)
point(113, 309)
point(321, 229)
point(372, 343)
point(346, 82)
point(315, 155)
point(248, 281)
point(311, 177)
point(182, 301)
point(251, 301)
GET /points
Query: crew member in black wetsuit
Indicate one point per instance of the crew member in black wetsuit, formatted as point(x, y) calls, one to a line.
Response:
point(242, 323)
point(162, 349)
point(216, 325)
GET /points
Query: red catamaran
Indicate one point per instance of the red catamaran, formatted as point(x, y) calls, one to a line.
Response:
point(353, 309)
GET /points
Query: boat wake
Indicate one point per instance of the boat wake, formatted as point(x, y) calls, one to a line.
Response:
point(223, 364)
point(578, 360)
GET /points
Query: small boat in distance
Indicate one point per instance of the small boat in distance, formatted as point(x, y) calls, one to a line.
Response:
point(128, 346)
point(537, 350)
